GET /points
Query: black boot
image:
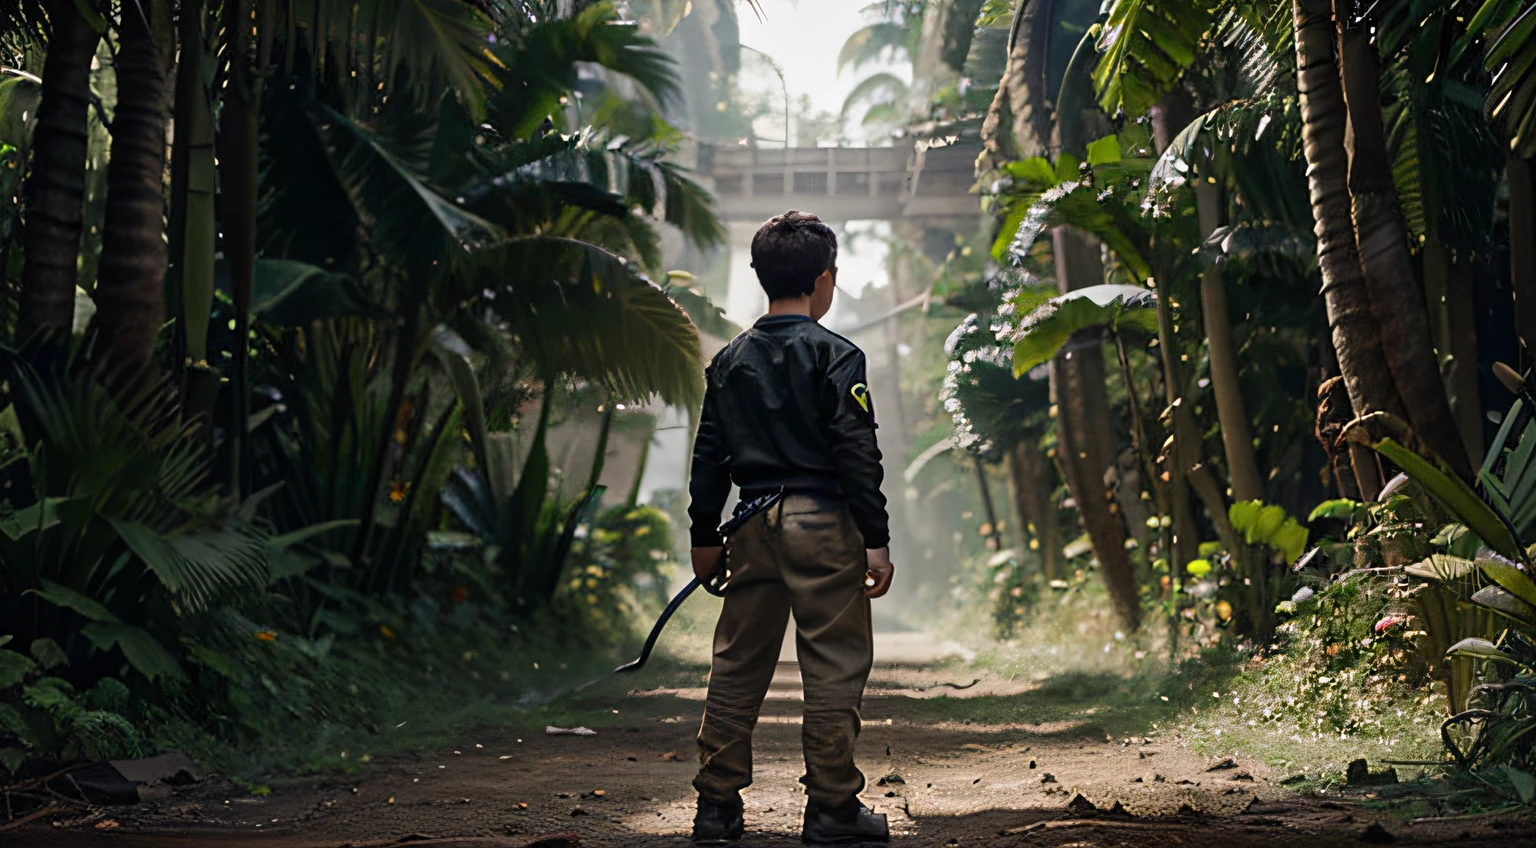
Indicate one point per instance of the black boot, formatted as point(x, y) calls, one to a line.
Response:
point(717, 823)
point(849, 825)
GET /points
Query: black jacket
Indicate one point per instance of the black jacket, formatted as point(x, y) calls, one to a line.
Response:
point(786, 406)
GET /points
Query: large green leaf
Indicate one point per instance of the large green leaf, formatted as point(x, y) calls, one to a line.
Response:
point(1455, 494)
point(1046, 330)
point(14, 668)
point(1479, 649)
point(67, 598)
point(147, 656)
point(1503, 601)
point(705, 315)
point(19, 95)
point(1511, 56)
point(35, 518)
point(293, 294)
point(418, 44)
point(1511, 579)
point(1144, 48)
point(875, 89)
point(542, 65)
point(411, 223)
point(584, 311)
point(201, 565)
point(879, 40)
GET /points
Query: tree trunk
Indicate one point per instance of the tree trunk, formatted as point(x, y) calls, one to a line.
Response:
point(130, 300)
point(193, 230)
point(1350, 317)
point(55, 191)
point(237, 133)
point(1168, 119)
point(1236, 432)
point(992, 531)
point(1461, 379)
point(1083, 429)
point(1449, 289)
point(1522, 253)
point(1018, 122)
point(1030, 476)
point(1382, 240)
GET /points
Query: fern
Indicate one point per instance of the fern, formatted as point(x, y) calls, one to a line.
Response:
point(1145, 47)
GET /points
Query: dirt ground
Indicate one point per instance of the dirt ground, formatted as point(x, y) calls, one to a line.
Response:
point(941, 764)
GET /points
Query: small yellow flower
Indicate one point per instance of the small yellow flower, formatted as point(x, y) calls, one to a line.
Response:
point(592, 599)
point(398, 491)
point(1224, 611)
point(266, 635)
point(384, 629)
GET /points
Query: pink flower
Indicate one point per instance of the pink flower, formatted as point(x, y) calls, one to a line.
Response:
point(1393, 620)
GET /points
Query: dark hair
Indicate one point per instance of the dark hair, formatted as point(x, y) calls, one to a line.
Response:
point(790, 252)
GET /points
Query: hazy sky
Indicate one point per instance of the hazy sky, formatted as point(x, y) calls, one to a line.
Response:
point(804, 37)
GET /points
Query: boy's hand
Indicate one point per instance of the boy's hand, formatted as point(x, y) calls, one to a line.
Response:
point(879, 572)
point(706, 561)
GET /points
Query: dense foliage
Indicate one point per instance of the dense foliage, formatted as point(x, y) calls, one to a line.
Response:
point(289, 411)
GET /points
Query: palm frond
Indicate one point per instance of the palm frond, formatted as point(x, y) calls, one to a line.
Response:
point(881, 87)
point(409, 222)
point(882, 40)
point(1145, 48)
point(418, 45)
point(542, 65)
point(1511, 57)
point(586, 312)
point(704, 314)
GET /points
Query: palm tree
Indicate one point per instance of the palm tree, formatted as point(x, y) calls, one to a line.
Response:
point(1351, 316)
point(129, 294)
point(55, 191)
point(1396, 301)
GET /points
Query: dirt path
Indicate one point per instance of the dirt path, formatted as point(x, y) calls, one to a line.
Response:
point(950, 766)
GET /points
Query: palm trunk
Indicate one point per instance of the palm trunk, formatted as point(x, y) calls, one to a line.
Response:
point(237, 135)
point(993, 534)
point(194, 231)
point(1029, 475)
point(1522, 252)
point(130, 298)
point(1236, 432)
point(1168, 119)
point(1083, 429)
point(1018, 122)
point(1382, 240)
point(55, 192)
point(1461, 378)
point(1350, 317)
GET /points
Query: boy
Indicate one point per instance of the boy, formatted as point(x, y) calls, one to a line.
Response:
point(787, 410)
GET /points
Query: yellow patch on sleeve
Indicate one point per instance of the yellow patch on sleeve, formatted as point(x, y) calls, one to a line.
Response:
point(860, 393)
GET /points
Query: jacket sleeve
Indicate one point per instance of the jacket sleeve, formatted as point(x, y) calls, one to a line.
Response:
point(854, 448)
point(711, 479)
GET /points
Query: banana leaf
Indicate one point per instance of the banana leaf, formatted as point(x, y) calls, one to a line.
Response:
point(1046, 330)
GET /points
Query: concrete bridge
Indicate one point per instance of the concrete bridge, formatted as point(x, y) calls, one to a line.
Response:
point(843, 183)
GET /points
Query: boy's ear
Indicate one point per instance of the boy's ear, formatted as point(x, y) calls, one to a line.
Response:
point(827, 278)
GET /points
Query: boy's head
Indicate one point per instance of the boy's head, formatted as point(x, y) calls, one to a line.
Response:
point(795, 256)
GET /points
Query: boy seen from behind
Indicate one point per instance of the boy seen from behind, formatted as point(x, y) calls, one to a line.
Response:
point(787, 411)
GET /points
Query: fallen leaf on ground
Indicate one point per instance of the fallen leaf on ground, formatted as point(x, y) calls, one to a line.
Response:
point(569, 731)
point(670, 756)
point(107, 824)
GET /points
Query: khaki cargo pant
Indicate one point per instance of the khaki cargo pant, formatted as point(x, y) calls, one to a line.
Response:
point(803, 555)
